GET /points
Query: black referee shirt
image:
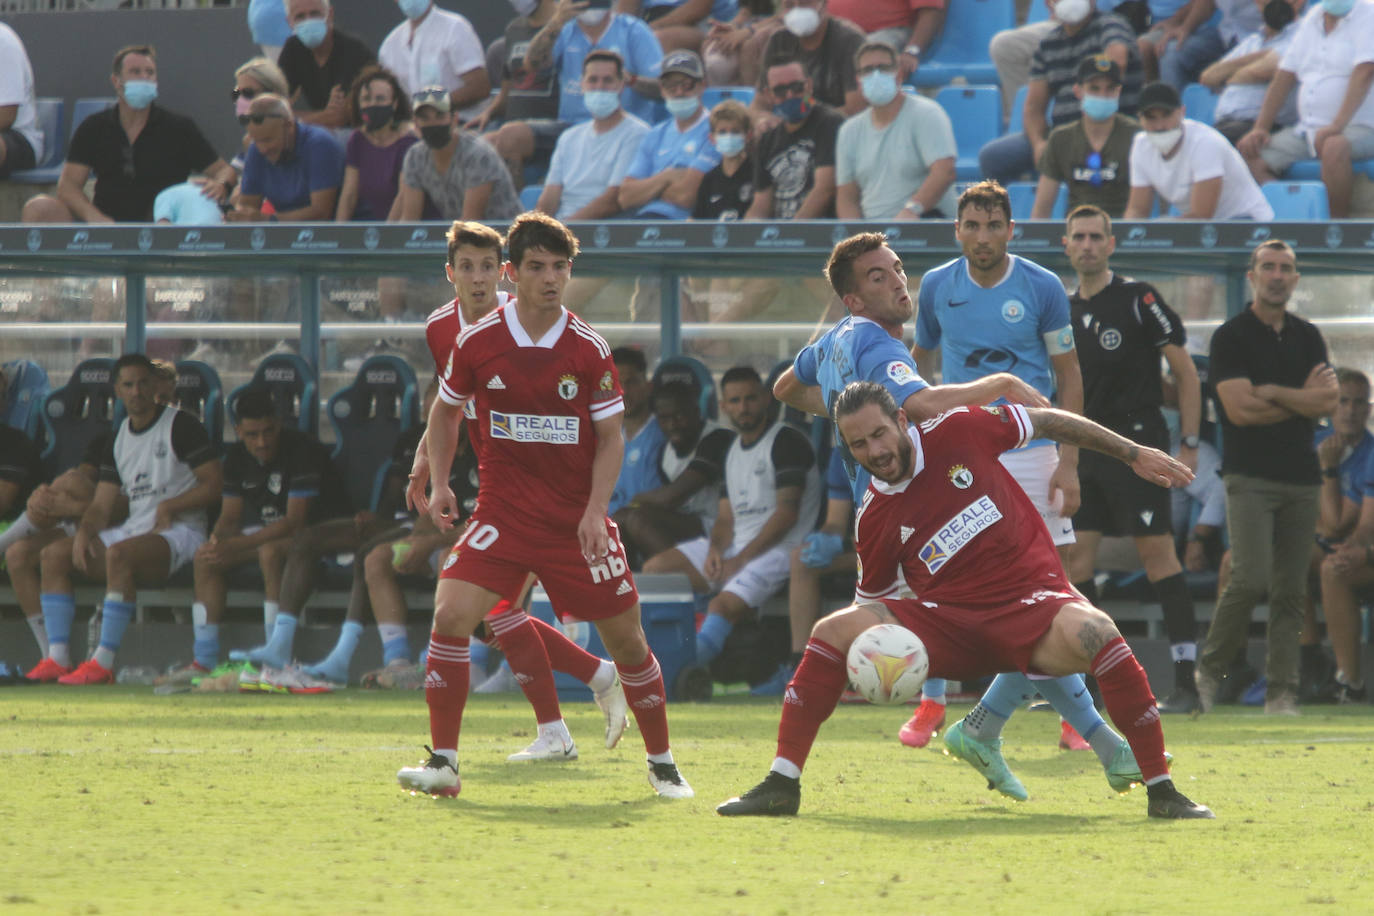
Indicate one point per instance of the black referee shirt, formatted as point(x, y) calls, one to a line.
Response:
point(1246, 347)
point(1118, 334)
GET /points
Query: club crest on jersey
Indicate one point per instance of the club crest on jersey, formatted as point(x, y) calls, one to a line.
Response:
point(567, 387)
point(1110, 339)
point(160, 450)
point(607, 383)
point(961, 477)
point(1013, 311)
point(959, 532)
point(900, 373)
point(274, 483)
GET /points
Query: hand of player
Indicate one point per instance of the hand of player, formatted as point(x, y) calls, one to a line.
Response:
point(443, 507)
point(820, 548)
point(1321, 376)
point(416, 501)
point(211, 188)
point(1159, 469)
point(1251, 144)
point(212, 551)
point(714, 565)
point(1349, 556)
point(83, 551)
point(566, 11)
point(592, 535)
point(1329, 452)
point(1019, 392)
point(1064, 481)
point(40, 500)
point(1174, 33)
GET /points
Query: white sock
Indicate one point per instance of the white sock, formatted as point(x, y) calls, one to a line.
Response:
point(40, 633)
point(558, 729)
point(19, 529)
point(452, 755)
point(200, 614)
point(104, 658)
point(60, 653)
point(784, 767)
point(665, 757)
point(604, 677)
point(270, 609)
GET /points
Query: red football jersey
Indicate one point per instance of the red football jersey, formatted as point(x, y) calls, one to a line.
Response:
point(961, 531)
point(536, 402)
point(442, 328)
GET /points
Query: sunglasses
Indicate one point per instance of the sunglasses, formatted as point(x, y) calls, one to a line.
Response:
point(782, 90)
point(248, 94)
point(256, 118)
point(877, 68)
point(428, 97)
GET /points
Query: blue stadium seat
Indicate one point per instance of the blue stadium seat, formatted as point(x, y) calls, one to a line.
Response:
point(1039, 11)
point(368, 416)
point(1297, 199)
point(1311, 169)
point(49, 112)
point(693, 372)
point(529, 195)
point(1022, 195)
point(292, 384)
point(1199, 102)
point(977, 115)
point(962, 48)
point(200, 394)
point(28, 389)
point(77, 412)
point(84, 108)
point(717, 94)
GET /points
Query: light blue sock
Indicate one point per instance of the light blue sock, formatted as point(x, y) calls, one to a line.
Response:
point(58, 612)
point(114, 620)
point(1070, 698)
point(1008, 691)
point(335, 666)
point(395, 643)
point(277, 652)
point(711, 638)
point(934, 689)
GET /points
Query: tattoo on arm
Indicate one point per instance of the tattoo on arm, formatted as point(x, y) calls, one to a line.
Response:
point(1071, 429)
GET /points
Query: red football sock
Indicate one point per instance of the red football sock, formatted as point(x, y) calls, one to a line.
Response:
point(810, 698)
point(566, 655)
point(644, 692)
point(524, 650)
point(1126, 693)
point(446, 688)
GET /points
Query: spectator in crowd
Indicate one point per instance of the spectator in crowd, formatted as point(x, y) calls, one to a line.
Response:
point(373, 156)
point(826, 46)
point(276, 481)
point(321, 63)
point(1272, 378)
point(728, 190)
point(680, 23)
point(895, 160)
point(1188, 164)
point(267, 22)
point(1245, 71)
point(684, 506)
point(21, 140)
point(1331, 62)
point(662, 182)
point(1081, 31)
point(771, 501)
point(185, 204)
point(591, 158)
point(1345, 530)
point(644, 439)
point(1011, 50)
point(135, 148)
point(293, 170)
point(733, 51)
point(527, 100)
point(1092, 155)
point(1188, 35)
point(455, 170)
point(254, 78)
point(911, 25)
point(162, 463)
point(794, 166)
point(573, 33)
point(434, 47)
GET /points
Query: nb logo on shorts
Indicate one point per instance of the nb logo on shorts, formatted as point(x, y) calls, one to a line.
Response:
point(613, 567)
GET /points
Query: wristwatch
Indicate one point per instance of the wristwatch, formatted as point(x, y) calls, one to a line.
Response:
point(913, 50)
point(1189, 441)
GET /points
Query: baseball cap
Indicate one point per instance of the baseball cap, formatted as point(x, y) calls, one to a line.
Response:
point(435, 97)
point(1099, 65)
point(1158, 95)
point(688, 63)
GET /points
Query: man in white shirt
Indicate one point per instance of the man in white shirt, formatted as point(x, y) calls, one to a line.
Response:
point(1244, 72)
point(21, 142)
point(1188, 164)
point(1331, 61)
point(434, 47)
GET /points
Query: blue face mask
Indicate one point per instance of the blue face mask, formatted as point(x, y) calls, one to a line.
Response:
point(1338, 8)
point(139, 94)
point(311, 32)
point(1099, 108)
point(793, 109)
point(729, 144)
point(413, 9)
point(601, 103)
point(683, 107)
point(878, 88)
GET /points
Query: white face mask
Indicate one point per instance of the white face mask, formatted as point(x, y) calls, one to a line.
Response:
point(1072, 12)
point(524, 7)
point(801, 21)
point(1165, 140)
point(591, 18)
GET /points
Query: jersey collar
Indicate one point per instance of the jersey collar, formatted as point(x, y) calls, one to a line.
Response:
point(918, 461)
point(522, 339)
point(1011, 265)
point(502, 298)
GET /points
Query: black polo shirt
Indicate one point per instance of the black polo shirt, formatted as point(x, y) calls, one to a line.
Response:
point(128, 178)
point(19, 465)
point(302, 468)
point(1246, 347)
point(346, 59)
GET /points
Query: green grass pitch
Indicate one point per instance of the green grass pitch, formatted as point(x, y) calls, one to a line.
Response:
point(117, 801)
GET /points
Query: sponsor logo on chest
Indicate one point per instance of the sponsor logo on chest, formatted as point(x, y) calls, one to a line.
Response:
point(527, 427)
point(958, 532)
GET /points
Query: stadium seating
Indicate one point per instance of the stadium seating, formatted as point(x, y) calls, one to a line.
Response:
point(28, 389)
point(962, 49)
point(199, 393)
point(1015, 121)
point(1022, 194)
point(77, 412)
point(49, 112)
point(85, 107)
point(714, 95)
point(1293, 200)
point(1311, 169)
point(367, 417)
point(693, 372)
point(977, 115)
point(529, 195)
point(292, 383)
point(1199, 102)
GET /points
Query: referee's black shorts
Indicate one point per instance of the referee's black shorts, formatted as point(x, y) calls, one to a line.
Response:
point(1116, 502)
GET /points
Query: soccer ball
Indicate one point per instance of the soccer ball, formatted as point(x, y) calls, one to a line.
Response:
point(888, 664)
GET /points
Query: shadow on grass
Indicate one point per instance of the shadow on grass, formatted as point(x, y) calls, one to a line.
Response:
point(997, 822)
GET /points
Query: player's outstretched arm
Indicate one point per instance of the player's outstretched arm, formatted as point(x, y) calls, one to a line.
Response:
point(1070, 429)
point(610, 453)
point(935, 400)
point(790, 390)
point(416, 484)
point(441, 443)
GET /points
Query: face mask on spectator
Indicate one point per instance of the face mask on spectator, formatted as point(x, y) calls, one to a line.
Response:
point(729, 144)
point(601, 103)
point(1072, 12)
point(591, 18)
point(801, 21)
point(241, 107)
point(683, 107)
point(1099, 107)
point(1278, 14)
point(1337, 8)
point(311, 32)
point(375, 117)
point(793, 109)
point(523, 7)
point(878, 87)
point(139, 94)
point(436, 135)
point(1165, 140)
point(414, 9)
